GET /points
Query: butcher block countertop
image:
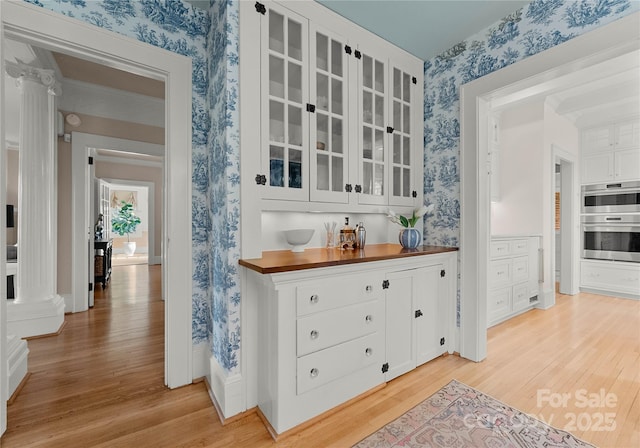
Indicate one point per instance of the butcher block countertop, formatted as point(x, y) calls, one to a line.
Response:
point(276, 261)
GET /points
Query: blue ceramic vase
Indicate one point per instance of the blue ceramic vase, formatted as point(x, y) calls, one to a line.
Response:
point(410, 238)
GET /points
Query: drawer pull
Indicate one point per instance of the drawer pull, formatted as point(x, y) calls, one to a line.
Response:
point(368, 318)
point(314, 334)
point(314, 373)
point(368, 351)
point(368, 288)
point(314, 298)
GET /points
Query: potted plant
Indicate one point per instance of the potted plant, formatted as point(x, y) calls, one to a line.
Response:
point(125, 222)
point(410, 236)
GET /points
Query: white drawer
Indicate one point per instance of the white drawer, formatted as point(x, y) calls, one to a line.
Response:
point(322, 295)
point(321, 367)
point(520, 247)
point(321, 330)
point(520, 269)
point(610, 276)
point(520, 297)
point(500, 249)
point(498, 303)
point(499, 273)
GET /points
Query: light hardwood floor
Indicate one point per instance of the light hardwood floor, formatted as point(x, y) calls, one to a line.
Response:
point(100, 382)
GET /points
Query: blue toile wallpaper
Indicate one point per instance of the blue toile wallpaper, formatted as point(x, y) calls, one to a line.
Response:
point(210, 38)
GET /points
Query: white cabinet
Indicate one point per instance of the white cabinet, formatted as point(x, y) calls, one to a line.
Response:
point(611, 153)
point(340, 110)
point(610, 277)
point(327, 335)
point(513, 277)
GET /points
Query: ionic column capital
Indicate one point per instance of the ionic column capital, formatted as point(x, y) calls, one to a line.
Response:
point(46, 77)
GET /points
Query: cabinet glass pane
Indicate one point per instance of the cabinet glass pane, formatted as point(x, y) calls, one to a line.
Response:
point(322, 52)
point(379, 110)
point(337, 136)
point(397, 115)
point(276, 166)
point(367, 143)
point(336, 96)
point(295, 168)
point(367, 72)
point(406, 120)
point(323, 171)
point(379, 152)
point(276, 121)
point(276, 76)
point(295, 83)
point(379, 77)
point(322, 132)
point(276, 32)
point(397, 175)
point(406, 151)
point(367, 107)
point(378, 186)
point(406, 182)
point(322, 92)
point(295, 40)
point(336, 58)
point(337, 168)
point(295, 126)
point(397, 149)
point(406, 84)
point(367, 177)
point(397, 83)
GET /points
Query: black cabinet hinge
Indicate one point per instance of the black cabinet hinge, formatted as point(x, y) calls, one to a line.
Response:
point(90, 160)
point(348, 188)
point(385, 367)
point(90, 287)
point(261, 179)
point(358, 55)
point(261, 8)
point(414, 194)
point(358, 188)
point(389, 130)
point(414, 80)
point(311, 108)
point(441, 341)
point(347, 49)
point(418, 313)
point(442, 273)
point(385, 284)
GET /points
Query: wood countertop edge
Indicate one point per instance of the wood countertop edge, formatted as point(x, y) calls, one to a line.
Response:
point(263, 266)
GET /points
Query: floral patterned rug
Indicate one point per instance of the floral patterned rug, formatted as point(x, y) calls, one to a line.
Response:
point(462, 417)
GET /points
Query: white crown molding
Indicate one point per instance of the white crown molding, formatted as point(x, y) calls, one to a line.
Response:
point(127, 161)
point(105, 102)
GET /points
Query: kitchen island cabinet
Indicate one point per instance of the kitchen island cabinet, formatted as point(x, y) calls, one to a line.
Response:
point(333, 325)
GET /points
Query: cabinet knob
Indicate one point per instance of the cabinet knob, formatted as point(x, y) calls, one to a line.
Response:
point(368, 351)
point(314, 334)
point(314, 298)
point(314, 373)
point(368, 288)
point(368, 318)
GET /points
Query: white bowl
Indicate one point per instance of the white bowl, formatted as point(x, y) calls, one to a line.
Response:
point(298, 238)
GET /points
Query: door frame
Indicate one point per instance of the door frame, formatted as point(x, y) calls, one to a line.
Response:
point(53, 31)
point(533, 73)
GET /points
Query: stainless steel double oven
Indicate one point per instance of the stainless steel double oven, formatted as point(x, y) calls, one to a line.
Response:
point(611, 221)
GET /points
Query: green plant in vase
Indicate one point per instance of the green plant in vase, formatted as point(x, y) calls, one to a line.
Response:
point(124, 223)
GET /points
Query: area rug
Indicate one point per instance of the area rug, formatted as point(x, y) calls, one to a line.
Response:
point(462, 417)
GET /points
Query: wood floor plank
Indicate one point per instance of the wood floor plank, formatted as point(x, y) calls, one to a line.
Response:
point(100, 382)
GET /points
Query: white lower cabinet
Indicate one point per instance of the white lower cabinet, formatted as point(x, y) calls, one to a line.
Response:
point(327, 335)
point(610, 277)
point(513, 277)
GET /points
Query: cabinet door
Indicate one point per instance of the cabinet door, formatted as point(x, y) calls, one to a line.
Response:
point(329, 124)
point(430, 305)
point(627, 135)
point(402, 164)
point(597, 168)
point(372, 117)
point(400, 349)
point(285, 130)
point(627, 163)
point(597, 139)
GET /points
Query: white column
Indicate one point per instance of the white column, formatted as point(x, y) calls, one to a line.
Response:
point(37, 309)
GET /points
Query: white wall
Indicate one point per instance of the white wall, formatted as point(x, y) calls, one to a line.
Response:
point(521, 165)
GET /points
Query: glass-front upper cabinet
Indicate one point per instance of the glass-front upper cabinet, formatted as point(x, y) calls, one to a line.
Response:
point(329, 123)
point(401, 142)
point(285, 130)
point(372, 169)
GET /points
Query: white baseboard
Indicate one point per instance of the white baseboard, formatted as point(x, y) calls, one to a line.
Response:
point(155, 260)
point(35, 318)
point(201, 361)
point(139, 250)
point(17, 361)
point(548, 300)
point(227, 390)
